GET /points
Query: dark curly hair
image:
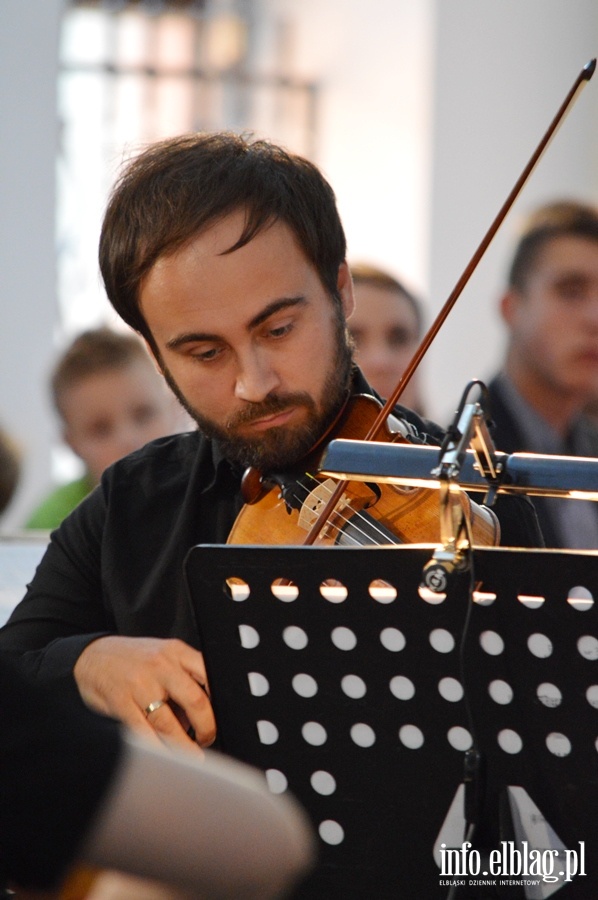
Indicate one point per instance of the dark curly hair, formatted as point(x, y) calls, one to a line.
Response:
point(178, 187)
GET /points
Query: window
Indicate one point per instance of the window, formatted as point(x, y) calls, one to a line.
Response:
point(135, 72)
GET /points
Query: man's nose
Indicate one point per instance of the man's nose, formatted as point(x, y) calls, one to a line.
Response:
point(256, 377)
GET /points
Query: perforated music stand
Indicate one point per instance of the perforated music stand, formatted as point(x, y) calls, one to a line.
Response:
point(356, 705)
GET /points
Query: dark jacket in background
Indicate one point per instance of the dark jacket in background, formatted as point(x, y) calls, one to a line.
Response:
point(508, 438)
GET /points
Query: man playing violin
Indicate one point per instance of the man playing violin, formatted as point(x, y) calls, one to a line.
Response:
point(228, 256)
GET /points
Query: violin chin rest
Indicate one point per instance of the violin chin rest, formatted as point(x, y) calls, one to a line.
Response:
point(252, 486)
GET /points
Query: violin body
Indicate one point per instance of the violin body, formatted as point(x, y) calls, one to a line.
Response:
point(366, 514)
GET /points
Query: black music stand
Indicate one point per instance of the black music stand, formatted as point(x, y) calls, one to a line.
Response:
point(355, 705)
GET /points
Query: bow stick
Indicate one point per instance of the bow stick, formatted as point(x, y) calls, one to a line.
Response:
point(583, 77)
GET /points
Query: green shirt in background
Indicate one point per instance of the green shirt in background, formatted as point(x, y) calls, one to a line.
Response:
point(50, 513)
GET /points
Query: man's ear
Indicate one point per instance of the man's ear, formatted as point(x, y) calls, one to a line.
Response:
point(344, 284)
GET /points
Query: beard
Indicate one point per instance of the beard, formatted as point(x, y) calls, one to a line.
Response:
point(281, 447)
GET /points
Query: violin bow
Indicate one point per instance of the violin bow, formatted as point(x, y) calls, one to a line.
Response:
point(580, 82)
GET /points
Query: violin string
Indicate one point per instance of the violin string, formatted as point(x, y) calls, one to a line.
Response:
point(384, 538)
point(357, 515)
point(330, 523)
point(350, 539)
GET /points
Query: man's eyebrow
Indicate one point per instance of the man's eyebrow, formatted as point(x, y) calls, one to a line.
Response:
point(191, 337)
point(274, 307)
point(263, 316)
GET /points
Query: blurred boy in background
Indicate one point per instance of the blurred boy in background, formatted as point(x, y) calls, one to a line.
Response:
point(111, 401)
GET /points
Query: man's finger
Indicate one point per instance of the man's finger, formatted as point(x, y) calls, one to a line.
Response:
point(167, 726)
point(194, 701)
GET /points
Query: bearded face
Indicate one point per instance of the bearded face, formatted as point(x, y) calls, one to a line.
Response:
point(251, 342)
point(280, 447)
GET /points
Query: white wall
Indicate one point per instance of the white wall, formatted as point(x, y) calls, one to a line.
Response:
point(28, 142)
point(375, 120)
point(430, 109)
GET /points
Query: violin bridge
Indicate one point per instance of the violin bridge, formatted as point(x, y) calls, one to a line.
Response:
point(314, 504)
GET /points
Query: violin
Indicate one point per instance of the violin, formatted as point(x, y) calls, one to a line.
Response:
point(282, 509)
point(287, 510)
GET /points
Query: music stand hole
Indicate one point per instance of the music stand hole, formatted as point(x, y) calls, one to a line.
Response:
point(343, 638)
point(363, 735)
point(305, 685)
point(258, 684)
point(530, 601)
point(382, 591)
point(353, 686)
point(402, 687)
point(587, 647)
point(249, 637)
point(411, 737)
point(295, 637)
point(442, 640)
point(459, 738)
point(237, 589)
point(314, 734)
point(539, 645)
point(580, 598)
point(429, 596)
point(334, 591)
point(592, 695)
point(267, 731)
point(450, 689)
point(284, 590)
point(484, 598)
point(323, 783)
point(331, 832)
point(392, 639)
point(510, 741)
point(558, 744)
point(549, 695)
point(277, 781)
point(492, 643)
point(500, 691)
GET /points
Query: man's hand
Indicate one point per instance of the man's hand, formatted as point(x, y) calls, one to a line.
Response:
point(157, 687)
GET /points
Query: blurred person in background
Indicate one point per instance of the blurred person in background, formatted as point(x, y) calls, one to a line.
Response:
point(386, 327)
point(550, 371)
point(111, 401)
point(10, 466)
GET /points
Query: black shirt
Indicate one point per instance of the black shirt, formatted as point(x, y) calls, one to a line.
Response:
point(115, 565)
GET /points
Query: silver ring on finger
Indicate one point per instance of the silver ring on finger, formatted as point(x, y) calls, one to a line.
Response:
point(152, 707)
